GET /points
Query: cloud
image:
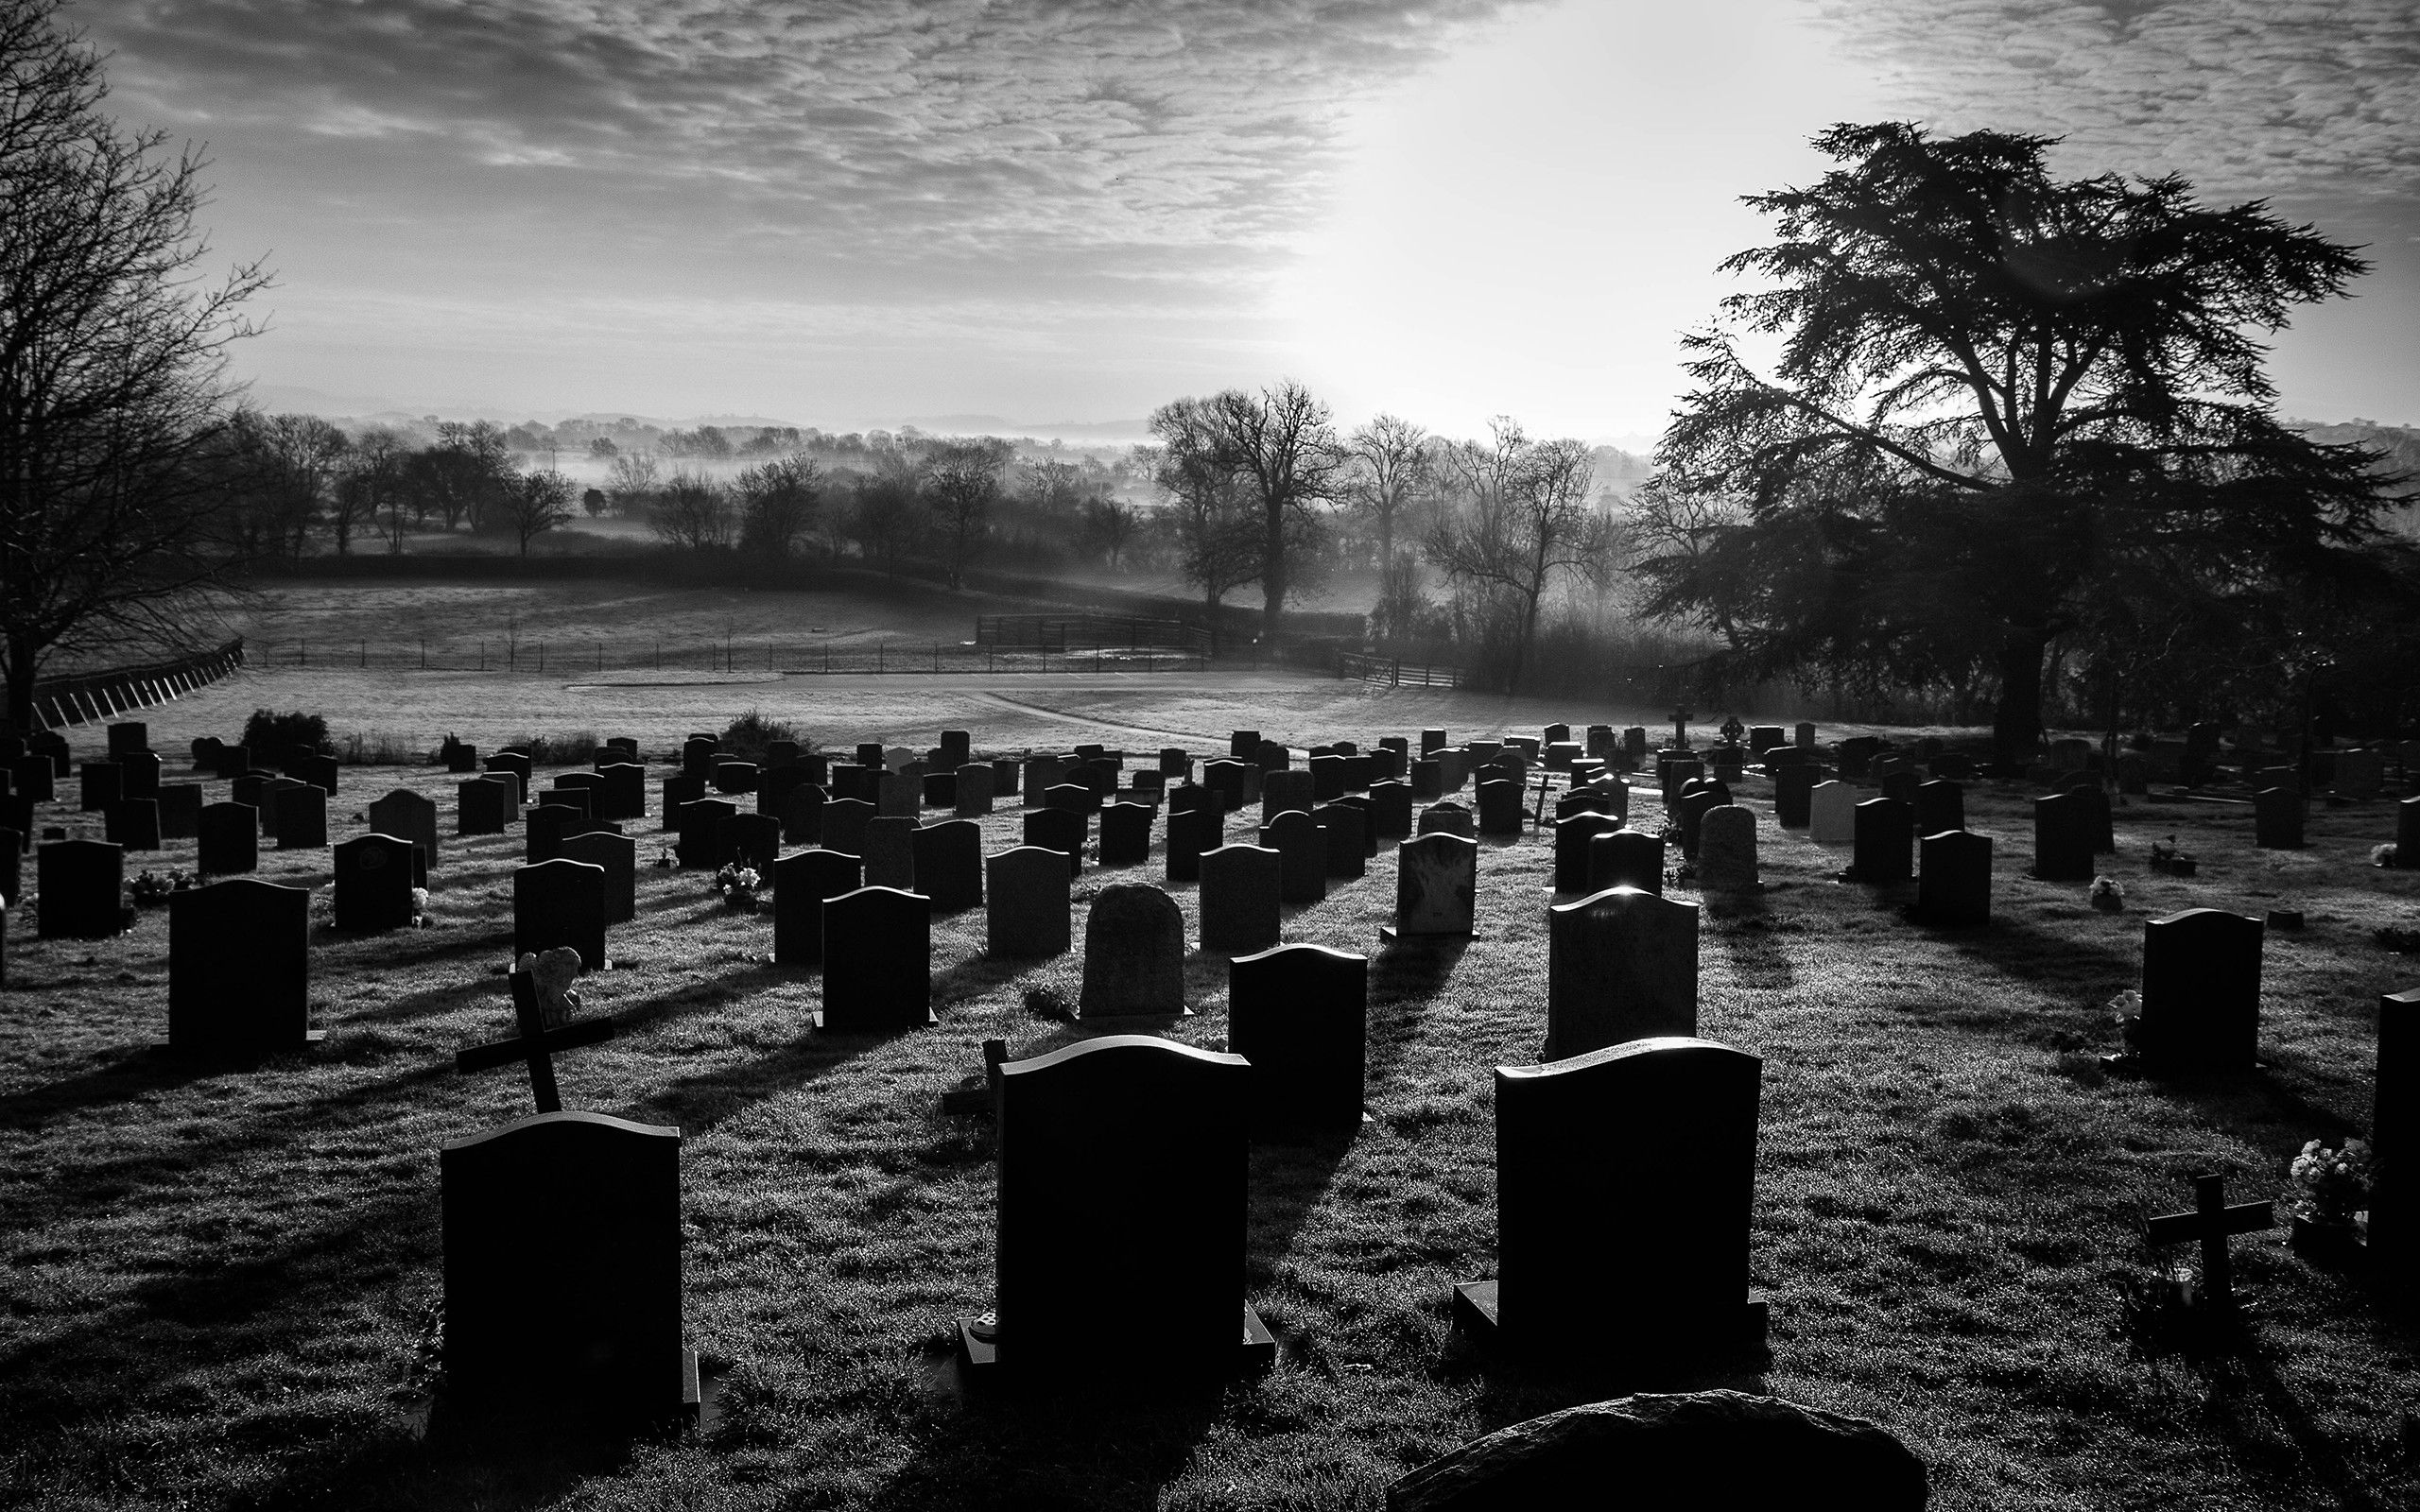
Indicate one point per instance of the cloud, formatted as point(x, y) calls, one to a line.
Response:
point(888, 130)
point(2290, 98)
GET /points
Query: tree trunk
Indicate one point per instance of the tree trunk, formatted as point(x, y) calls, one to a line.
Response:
point(1521, 647)
point(1272, 578)
point(2017, 723)
point(22, 667)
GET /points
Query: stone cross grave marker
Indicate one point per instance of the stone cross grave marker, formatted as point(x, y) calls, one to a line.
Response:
point(878, 961)
point(802, 883)
point(1120, 1259)
point(1133, 953)
point(239, 969)
point(534, 1043)
point(1299, 1014)
point(1624, 1180)
point(1620, 966)
point(2212, 1222)
point(1027, 909)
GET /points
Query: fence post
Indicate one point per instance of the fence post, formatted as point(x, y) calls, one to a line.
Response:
point(301, 653)
point(424, 653)
point(937, 658)
point(542, 659)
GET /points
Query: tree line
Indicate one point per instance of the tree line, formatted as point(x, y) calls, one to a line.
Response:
point(2015, 448)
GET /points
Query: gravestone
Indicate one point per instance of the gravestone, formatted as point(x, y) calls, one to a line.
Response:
point(731, 774)
point(698, 756)
point(899, 795)
point(2407, 834)
point(703, 838)
point(621, 791)
point(321, 772)
point(1390, 811)
point(1026, 908)
point(1625, 858)
point(1794, 788)
point(1191, 832)
point(1696, 797)
point(1059, 830)
point(2093, 812)
point(128, 737)
point(949, 863)
point(12, 880)
point(2201, 992)
point(878, 961)
point(138, 775)
point(1954, 885)
point(79, 889)
point(974, 793)
point(1447, 818)
point(1281, 792)
point(301, 819)
point(481, 807)
point(1885, 840)
point(542, 830)
point(2277, 819)
point(1294, 835)
point(518, 765)
point(239, 969)
point(1427, 780)
point(1340, 827)
point(1299, 1013)
point(2395, 1184)
point(1040, 776)
point(1328, 779)
point(562, 1272)
point(1074, 798)
point(617, 857)
point(1120, 1261)
point(102, 786)
point(227, 840)
point(29, 777)
point(1831, 813)
point(801, 884)
point(2358, 774)
point(560, 903)
point(1133, 953)
point(941, 790)
point(1126, 835)
point(1499, 807)
point(2062, 839)
point(1624, 1182)
point(1621, 965)
point(844, 825)
point(890, 852)
point(1941, 804)
point(409, 817)
point(134, 824)
point(1436, 886)
point(1727, 848)
point(1241, 889)
point(1228, 780)
point(1572, 837)
point(374, 884)
point(752, 841)
point(801, 815)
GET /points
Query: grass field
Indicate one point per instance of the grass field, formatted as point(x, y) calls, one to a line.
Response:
point(218, 1283)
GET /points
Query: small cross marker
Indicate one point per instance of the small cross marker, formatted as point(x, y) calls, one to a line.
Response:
point(535, 1043)
point(2212, 1222)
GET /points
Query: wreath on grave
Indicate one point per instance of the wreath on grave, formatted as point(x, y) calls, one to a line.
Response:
point(737, 885)
point(2331, 1183)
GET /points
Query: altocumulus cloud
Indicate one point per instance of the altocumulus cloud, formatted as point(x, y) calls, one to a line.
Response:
point(2292, 99)
point(1181, 139)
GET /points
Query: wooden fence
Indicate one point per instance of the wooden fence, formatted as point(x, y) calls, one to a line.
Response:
point(84, 697)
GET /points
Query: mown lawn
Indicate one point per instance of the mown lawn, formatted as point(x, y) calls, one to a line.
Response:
point(218, 1283)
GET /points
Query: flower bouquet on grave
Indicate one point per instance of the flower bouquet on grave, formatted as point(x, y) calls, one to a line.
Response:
point(153, 889)
point(2107, 894)
point(419, 908)
point(2128, 1008)
point(2330, 1190)
point(737, 885)
point(663, 861)
point(2167, 858)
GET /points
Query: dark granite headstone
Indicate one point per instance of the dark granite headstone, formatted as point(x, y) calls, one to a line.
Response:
point(1499, 807)
point(1283, 791)
point(1572, 837)
point(239, 969)
point(802, 883)
point(482, 806)
point(1624, 1180)
point(1133, 953)
point(79, 889)
point(729, 775)
point(1026, 908)
point(138, 775)
point(1885, 841)
point(1126, 835)
point(1941, 804)
point(128, 737)
point(2201, 992)
point(228, 839)
point(2394, 1145)
point(1191, 832)
point(1121, 1260)
point(1621, 965)
point(1059, 829)
point(542, 830)
point(562, 1272)
point(1299, 1014)
point(2062, 839)
point(621, 791)
point(1341, 828)
point(878, 961)
point(374, 884)
point(2277, 819)
point(559, 903)
point(102, 786)
point(800, 811)
point(134, 823)
point(703, 838)
point(12, 883)
point(844, 824)
point(947, 858)
point(680, 792)
point(580, 800)
point(1390, 810)
point(1625, 858)
point(751, 841)
point(410, 816)
point(1242, 887)
point(1954, 886)
point(517, 763)
point(617, 857)
point(31, 778)
point(1294, 835)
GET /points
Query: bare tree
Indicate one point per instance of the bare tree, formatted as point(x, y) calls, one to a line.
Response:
point(1520, 521)
point(961, 482)
point(373, 478)
point(777, 504)
point(535, 503)
point(470, 468)
point(632, 480)
point(1110, 527)
point(112, 353)
point(302, 453)
point(1210, 511)
point(1391, 470)
point(886, 517)
point(1282, 444)
point(692, 512)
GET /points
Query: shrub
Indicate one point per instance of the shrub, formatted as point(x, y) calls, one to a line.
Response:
point(378, 747)
point(269, 731)
point(751, 737)
point(564, 747)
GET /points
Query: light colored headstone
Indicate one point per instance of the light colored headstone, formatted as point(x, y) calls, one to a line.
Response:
point(1133, 953)
point(1620, 966)
point(1831, 813)
point(1727, 848)
point(1436, 884)
point(1025, 906)
point(889, 854)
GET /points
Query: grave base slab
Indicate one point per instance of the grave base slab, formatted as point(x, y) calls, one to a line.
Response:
point(687, 1413)
point(932, 1021)
point(1389, 932)
point(979, 1351)
point(1475, 1313)
point(311, 1040)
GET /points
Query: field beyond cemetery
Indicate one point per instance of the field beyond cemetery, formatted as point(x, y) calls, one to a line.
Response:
point(221, 1285)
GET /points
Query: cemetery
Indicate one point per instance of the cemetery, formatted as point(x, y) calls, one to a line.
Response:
point(1908, 1130)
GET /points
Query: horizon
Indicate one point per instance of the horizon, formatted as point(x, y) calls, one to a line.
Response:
point(1069, 220)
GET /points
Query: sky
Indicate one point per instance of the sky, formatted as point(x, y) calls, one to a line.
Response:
point(854, 212)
